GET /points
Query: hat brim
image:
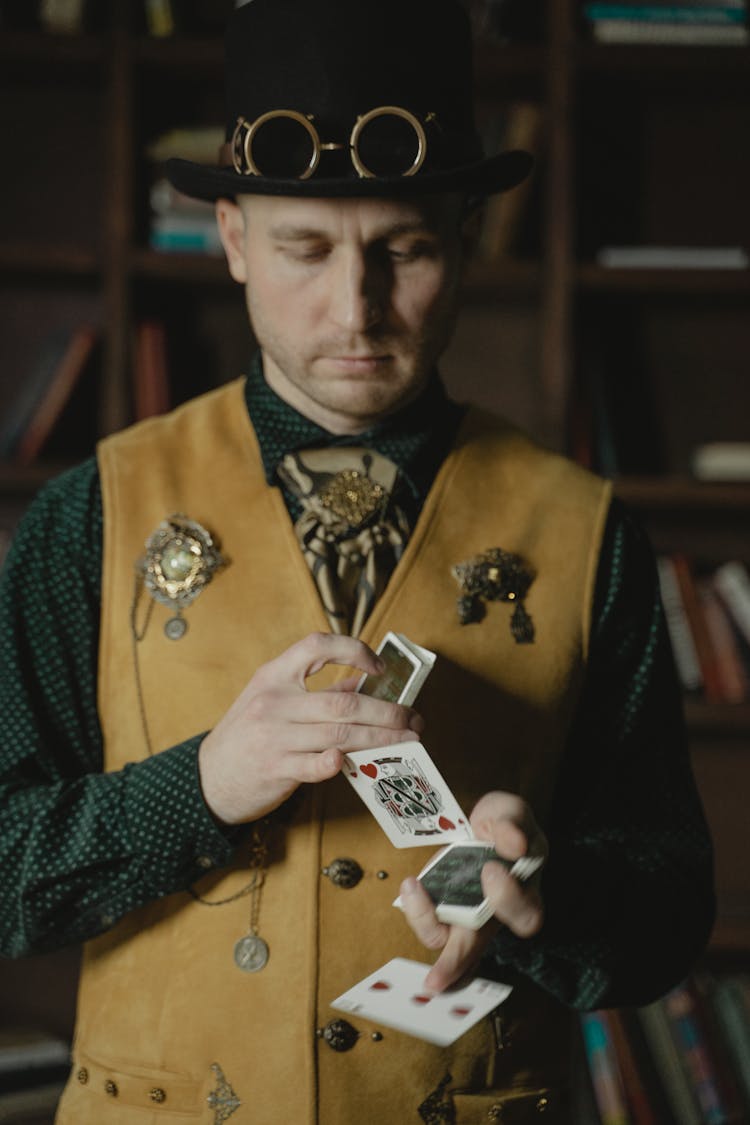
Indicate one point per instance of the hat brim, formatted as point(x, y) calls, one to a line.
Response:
point(483, 177)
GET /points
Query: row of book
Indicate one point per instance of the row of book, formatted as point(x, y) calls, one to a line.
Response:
point(60, 391)
point(719, 23)
point(684, 1060)
point(708, 617)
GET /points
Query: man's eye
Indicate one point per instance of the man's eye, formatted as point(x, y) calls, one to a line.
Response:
point(305, 253)
point(411, 252)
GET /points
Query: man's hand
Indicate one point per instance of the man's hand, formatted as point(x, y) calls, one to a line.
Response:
point(505, 821)
point(277, 735)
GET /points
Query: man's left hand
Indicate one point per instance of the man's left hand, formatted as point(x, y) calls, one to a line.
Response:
point(507, 822)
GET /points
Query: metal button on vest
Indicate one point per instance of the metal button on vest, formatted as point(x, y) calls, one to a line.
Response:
point(158, 1095)
point(344, 872)
point(82, 1075)
point(111, 1088)
point(340, 1035)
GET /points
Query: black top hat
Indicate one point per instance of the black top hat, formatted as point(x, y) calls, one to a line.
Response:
point(350, 98)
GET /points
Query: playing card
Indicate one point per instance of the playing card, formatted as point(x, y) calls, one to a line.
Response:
point(407, 666)
point(395, 996)
point(403, 789)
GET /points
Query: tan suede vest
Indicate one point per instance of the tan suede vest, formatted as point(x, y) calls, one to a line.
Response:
point(161, 999)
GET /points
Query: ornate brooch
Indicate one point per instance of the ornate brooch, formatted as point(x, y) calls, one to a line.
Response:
point(495, 576)
point(179, 562)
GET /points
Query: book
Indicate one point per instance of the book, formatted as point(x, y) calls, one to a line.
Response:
point(702, 985)
point(34, 386)
point(62, 17)
point(677, 1086)
point(201, 144)
point(678, 627)
point(713, 14)
point(56, 394)
point(692, 1043)
point(523, 129)
point(637, 1098)
point(732, 672)
point(150, 377)
point(698, 35)
point(186, 233)
point(733, 1016)
point(160, 22)
point(704, 647)
point(721, 461)
point(603, 1067)
point(673, 257)
point(732, 582)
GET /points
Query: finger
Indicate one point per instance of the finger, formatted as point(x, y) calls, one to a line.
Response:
point(420, 914)
point(460, 954)
point(313, 768)
point(313, 652)
point(350, 707)
point(506, 821)
point(517, 905)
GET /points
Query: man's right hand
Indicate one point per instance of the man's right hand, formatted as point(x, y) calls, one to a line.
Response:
point(277, 734)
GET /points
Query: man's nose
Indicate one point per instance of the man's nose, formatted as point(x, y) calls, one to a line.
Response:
point(360, 292)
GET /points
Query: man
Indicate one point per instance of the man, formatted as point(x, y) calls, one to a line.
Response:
point(177, 715)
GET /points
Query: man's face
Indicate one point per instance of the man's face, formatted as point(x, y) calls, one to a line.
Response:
point(352, 301)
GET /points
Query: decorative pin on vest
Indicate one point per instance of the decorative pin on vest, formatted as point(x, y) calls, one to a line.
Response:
point(495, 576)
point(179, 562)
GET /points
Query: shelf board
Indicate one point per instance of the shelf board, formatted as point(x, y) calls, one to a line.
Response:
point(660, 61)
point(25, 480)
point(684, 493)
point(717, 718)
point(182, 268)
point(730, 935)
point(29, 258)
point(591, 277)
point(181, 52)
point(23, 47)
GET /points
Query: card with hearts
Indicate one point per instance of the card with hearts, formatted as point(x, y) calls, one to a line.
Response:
point(405, 792)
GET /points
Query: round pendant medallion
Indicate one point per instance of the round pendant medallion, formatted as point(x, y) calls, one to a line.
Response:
point(251, 953)
point(175, 628)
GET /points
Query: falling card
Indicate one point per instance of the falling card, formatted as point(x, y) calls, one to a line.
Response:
point(395, 996)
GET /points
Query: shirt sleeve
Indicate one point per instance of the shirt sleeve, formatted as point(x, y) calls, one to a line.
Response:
point(628, 888)
point(78, 847)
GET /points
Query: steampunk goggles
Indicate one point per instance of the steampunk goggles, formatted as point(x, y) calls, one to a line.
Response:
point(285, 144)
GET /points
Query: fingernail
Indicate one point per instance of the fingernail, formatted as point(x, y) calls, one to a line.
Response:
point(409, 886)
point(379, 664)
point(416, 722)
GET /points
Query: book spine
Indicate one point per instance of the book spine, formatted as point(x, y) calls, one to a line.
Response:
point(698, 35)
point(679, 14)
point(691, 1044)
point(733, 584)
point(605, 1075)
point(58, 392)
point(655, 1023)
point(729, 664)
point(639, 1103)
point(704, 647)
point(678, 627)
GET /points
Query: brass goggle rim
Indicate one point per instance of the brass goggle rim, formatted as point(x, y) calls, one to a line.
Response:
point(242, 146)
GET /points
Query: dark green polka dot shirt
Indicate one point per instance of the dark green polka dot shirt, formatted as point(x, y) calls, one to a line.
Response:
point(627, 889)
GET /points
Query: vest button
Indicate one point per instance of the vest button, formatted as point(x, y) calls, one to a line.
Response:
point(340, 1035)
point(542, 1105)
point(495, 1112)
point(82, 1075)
point(344, 872)
point(157, 1095)
point(111, 1088)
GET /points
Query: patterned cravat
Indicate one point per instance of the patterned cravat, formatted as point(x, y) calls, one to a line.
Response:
point(351, 532)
